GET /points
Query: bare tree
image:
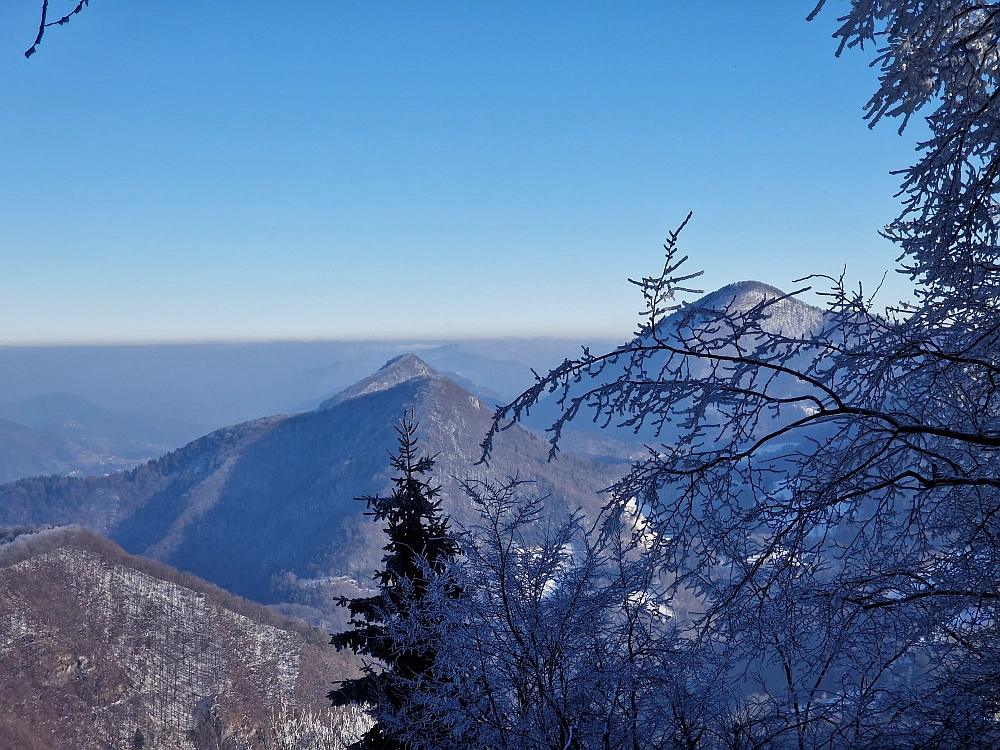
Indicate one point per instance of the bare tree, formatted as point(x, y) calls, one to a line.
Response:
point(831, 495)
point(44, 23)
point(562, 639)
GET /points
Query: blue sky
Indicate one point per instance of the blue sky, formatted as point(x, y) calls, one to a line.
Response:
point(189, 170)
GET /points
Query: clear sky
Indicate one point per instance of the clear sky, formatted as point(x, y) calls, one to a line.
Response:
point(253, 169)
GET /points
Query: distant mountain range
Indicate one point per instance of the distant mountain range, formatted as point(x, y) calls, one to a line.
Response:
point(61, 433)
point(245, 505)
point(87, 410)
point(266, 508)
point(132, 436)
point(188, 390)
point(99, 649)
point(25, 452)
point(97, 645)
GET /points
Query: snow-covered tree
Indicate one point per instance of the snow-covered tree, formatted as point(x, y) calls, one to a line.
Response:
point(832, 496)
point(942, 54)
point(561, 640)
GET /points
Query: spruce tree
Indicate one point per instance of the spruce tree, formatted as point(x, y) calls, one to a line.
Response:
point(420, 548)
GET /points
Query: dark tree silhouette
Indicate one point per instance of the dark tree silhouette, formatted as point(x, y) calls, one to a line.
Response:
point(420, 549)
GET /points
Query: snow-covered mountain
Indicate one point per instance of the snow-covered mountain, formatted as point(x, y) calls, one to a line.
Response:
point(600, 438)
point(101, 649)
point(790, 316)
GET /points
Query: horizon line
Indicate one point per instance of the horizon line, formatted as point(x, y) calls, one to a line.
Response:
point(221, 341)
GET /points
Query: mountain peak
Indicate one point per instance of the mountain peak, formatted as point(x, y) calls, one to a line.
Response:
point(741, 295)
point(790, 316)
point(397, 370)
point(407, 362)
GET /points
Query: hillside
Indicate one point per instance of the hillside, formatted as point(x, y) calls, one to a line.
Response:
point(97, 645)
point(245, 505)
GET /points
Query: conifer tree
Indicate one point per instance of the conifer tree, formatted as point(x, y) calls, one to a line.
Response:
point(420, 548)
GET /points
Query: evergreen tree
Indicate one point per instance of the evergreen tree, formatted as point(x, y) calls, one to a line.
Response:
point(419, 550)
